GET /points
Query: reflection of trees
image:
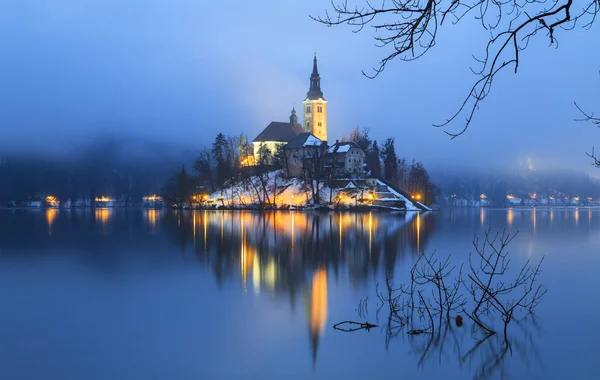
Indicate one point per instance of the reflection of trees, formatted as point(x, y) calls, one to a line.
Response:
point(487, 357)
point(298, 252)
point(297, 242)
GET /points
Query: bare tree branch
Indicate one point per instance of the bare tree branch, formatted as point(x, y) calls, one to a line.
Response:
point(408, 29)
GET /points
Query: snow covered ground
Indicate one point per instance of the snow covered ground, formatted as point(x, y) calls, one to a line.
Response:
point(273, 189)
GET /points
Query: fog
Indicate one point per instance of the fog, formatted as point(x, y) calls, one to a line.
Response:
point(165, 77)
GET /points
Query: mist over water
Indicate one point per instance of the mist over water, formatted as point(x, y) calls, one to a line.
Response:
point(152, 72)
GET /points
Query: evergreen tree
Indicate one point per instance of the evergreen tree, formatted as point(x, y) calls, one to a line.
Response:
point(372, 159)
point(180, 189)
point(219, 154)
point(390, 160)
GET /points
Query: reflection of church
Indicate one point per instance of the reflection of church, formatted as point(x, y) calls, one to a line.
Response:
point(295, 254)
point(317, 310)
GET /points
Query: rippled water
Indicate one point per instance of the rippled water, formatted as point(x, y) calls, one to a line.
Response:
point(144, 294)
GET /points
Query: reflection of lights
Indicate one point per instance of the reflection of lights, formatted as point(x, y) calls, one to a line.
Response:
point(50, 216)
point(482, 215)
point(510, 215)
point(577, 215)
point(418, 231)
point(293, 227)
point(271, 274)
point(204, 221)
point(341, 233)
point(256, 274)
point(370, 232)
point(534, 219)
point(551, 215)
point(151, 217)
point(318, 302)
point(102, 215)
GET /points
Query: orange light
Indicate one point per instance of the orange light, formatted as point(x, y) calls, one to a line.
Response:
point(103, 199)
point(151, 198)
point(510, 196)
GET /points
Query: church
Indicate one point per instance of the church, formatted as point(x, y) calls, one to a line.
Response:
point(280, 133)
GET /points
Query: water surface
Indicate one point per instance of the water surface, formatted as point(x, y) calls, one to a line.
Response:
point(144, 294)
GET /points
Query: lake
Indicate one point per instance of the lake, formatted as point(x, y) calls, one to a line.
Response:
point(161, 294)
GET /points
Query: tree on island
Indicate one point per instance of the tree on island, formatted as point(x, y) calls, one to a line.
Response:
point(180, 189)
point(373, 160)
point(222, 157)
point(390, 160)
point(204, 169)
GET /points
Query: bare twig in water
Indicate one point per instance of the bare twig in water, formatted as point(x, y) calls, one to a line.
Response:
point(353, 326)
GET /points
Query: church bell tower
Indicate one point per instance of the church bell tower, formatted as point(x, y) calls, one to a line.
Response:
point(315, 106)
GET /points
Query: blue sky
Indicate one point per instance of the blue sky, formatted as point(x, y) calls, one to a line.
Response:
point(181, 71)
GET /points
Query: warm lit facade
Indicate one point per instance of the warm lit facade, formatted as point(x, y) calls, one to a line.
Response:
point(276, 134)
point(315, 107)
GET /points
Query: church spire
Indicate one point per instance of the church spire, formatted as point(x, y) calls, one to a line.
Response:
point(314, 92)
point(293, 117)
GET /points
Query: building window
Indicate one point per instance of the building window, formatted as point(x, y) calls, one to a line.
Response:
point(308, 109)
point(319, 123)
point(319, 109)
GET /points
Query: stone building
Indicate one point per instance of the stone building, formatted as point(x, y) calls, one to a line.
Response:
point(303, 147)
point(345, 159)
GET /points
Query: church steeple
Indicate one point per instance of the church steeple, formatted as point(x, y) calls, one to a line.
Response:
point(293, 117)
point(315, 106)
point(314, 91)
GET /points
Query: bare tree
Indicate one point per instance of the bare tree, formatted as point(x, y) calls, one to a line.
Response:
point(589, 117)
point(488, 287)
point(409, 28)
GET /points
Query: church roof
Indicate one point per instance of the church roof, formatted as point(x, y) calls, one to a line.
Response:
point(343, 147)
point(277, 131)
point(304, 139)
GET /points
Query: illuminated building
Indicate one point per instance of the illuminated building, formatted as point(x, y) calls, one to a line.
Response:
point(315, 106)
point(277, 134)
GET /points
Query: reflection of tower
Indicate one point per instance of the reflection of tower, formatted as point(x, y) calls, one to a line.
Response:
point(318, 310)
